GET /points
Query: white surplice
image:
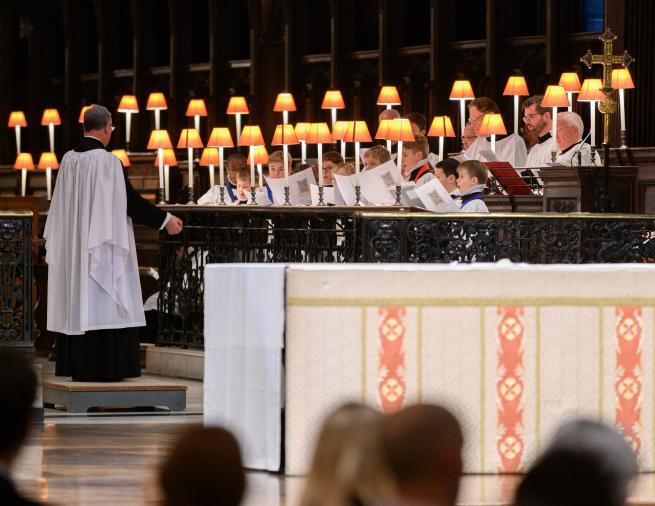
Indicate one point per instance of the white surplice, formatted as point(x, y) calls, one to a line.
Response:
point(570, 157)
point(93, 275)
point(510, 149)
point(541, 153)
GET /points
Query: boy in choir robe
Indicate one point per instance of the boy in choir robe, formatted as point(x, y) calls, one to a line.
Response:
point(242, 187)
point(330, 160)
point(471, 183)
point(374, 156)
point(235, 161)
point(343, 169)
point(415, 163)
point(446, 172)
point(538, 120)
point(276, 168)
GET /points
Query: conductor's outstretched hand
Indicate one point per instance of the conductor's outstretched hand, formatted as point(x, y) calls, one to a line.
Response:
point(174, 226)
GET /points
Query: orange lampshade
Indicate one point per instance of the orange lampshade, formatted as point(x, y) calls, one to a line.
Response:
point(159, 139)
point(128, 103)
point(17, 118)
point(196, 107)
point(461, 91)
point(24, 161)
point(156, 101)
point(555, 96)
point(284, 102)
point(441, 127)
point(621, 79)
point(210, 156)
point(388, 96)
point(591, 91)
point(169, 158)
point(492, 124)
point(357, 132)
point(48, 161)
point(189, 138)
point(220, 138)
point(301, 130)
point(516, 86)
point(319, 133)
point(261, 155)
point(251, 135)
point(383, 129)
point(570, 82)
point(84, 109)
point(339, 130)
point(50, 116)
point(400, 129)
point(121, 154)
point(237, 105)
point(284, 134)
point(333, 100)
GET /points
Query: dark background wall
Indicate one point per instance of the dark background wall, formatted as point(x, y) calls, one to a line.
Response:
point(67, 53)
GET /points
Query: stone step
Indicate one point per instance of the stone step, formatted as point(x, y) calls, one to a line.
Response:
point(175, 362)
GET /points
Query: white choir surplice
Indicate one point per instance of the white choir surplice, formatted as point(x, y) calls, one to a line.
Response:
point(476, 205)
point(570, 156)
point(93, 275)
point(510, 149)
point(540, 154)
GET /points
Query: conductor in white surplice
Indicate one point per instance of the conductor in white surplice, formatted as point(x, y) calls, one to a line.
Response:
point(94, 293)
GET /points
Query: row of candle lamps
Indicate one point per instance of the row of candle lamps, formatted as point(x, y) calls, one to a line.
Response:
point(399, 130)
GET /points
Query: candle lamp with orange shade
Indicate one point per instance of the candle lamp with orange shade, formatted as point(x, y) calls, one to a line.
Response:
point(128, 105)
point(516, 87)
point(82, 111)
point(285, 104)
point(301, 133)
point(462, 92)
point(18, 121)
point(284, 136)
point(51, 118)
point(357, 132)
point(571, 84)
point(555, 97)
point(591, 92)
point(400, 130)
point(441, 127)
point(48, 162)
point(160, 140)
point(220, 138)
point(261, 158)
point(339, 133)
point(251, 136)
point(196, 109)
point(190, 140)
point(333, 100)
point(210, 158)
point(492, 124)
point(237, 106)
point(170, 160)
point(319, 134)
point(622, 80)
point(157, 103)
point(23, 163)
point(121, 154)
point(388, 97)
point(383, 129)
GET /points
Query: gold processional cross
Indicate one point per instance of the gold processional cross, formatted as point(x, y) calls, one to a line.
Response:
point(607, 106)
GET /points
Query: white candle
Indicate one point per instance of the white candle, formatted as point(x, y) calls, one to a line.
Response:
point(462, 115)
point(17, 129)
point(211, 175)
point(516, 114)
point(343, 149)
point(196, 122)
point(128, 126)
point(493, 143)
point(51, 132)
point(334, 117)
point(190, 155)
point(252, 166)
point(167, 183)
point(555, 128)
point(260, 175)
point(285, 150)
point(23, 182)
point(285, 117)
point(48, 181)
point(388, 106)
point(303, 151)
point(622, 107)
point(320, 164)
point(389, 145)
point(221, 175)
point(400, 157)
point(357, 163)
point(238, 120)
point(441, 139)
point(160, 155)
point(570, 95)
point(592, 108)
point(157, 122)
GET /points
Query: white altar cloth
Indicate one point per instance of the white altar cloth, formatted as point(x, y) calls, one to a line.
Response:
point(514, 350)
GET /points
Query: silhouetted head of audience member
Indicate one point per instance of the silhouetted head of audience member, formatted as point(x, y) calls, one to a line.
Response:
point(423, 447)
point(203, 468)
point(586, 463)
point(17, 392)
point(348, 466)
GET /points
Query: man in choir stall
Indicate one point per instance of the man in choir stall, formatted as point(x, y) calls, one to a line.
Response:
point(374, 156)
point(235, 161)
point(571, 149)
point(330, 160)
point(415, 164)
point(510, 149)
point(95, 304)
point(538, 119)
point(418, 122)
point(469, 136)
